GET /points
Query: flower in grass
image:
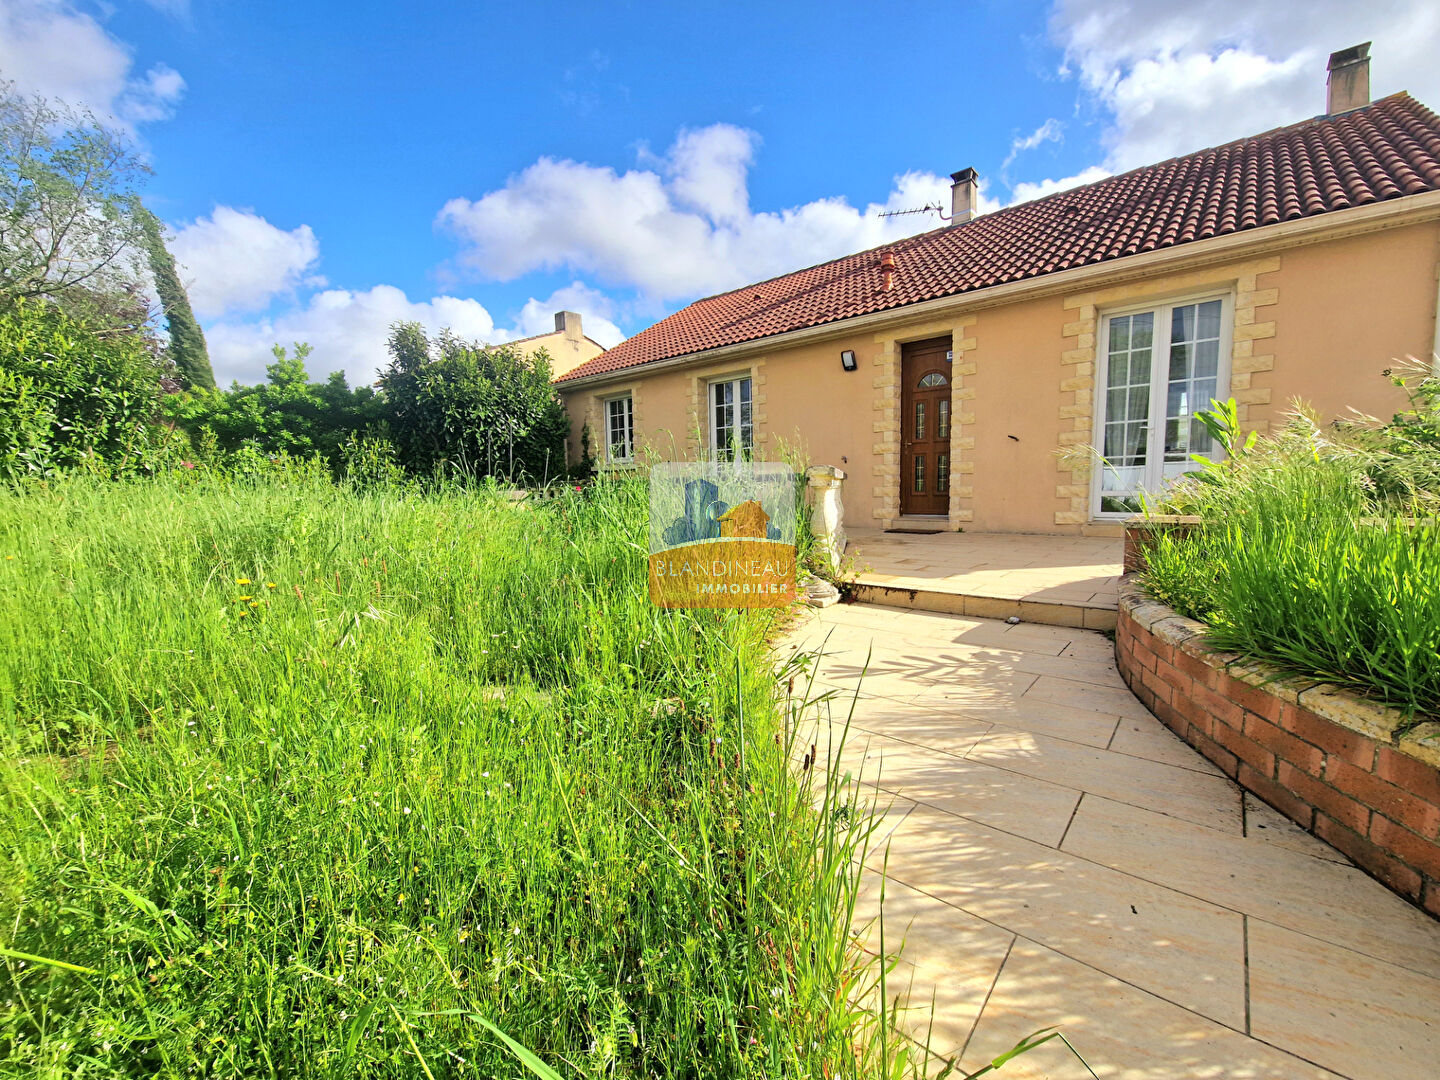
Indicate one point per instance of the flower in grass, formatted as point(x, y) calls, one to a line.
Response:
point(242, 581)
point(407, 809)
point(270, 584)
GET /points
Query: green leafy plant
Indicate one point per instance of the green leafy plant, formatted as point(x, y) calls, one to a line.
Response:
point(464, 408)
point(1318, 551)
point(75, 398)
point(286, 414)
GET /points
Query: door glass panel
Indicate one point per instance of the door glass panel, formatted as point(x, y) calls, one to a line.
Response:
point(933, 379)
point(942, 421)
point(1127, 403)
point(1194, 370)
point(919, 474)
point(942, 473)
point(919, 419)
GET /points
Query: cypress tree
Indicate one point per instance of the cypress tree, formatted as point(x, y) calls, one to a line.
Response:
point(187, 341)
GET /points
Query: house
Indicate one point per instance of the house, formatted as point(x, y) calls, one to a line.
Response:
point(943, 372)
point(566, 345)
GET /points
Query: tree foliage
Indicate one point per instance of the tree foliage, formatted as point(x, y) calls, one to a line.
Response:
point(285, 414)
point(67, 191)
point(482, 410)
point(187, 350)
point(73, 397)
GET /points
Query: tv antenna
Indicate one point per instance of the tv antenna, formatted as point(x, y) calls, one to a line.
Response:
point(928, 208)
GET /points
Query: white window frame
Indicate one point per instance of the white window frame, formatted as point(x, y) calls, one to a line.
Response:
point(717, 447)
point(1154, 479)
point(628, 400)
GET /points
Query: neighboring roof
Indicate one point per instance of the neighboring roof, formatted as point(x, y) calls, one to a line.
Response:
point(1386, 150)
point(548, 333)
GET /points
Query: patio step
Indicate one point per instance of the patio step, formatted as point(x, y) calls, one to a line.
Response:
point(1091, 616)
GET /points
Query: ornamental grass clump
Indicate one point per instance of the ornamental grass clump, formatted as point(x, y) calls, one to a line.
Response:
point(298, 779)
point(1318, 550)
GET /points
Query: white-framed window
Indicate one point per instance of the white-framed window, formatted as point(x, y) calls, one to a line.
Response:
point(731, 424)
point(1158, 365)
point(620, 430)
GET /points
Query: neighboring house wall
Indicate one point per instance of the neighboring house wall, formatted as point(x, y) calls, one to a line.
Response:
point(567, 345)
point(1318, 321)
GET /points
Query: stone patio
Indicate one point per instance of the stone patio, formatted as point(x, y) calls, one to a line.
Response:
point(1056, 857)
point(1057, 580)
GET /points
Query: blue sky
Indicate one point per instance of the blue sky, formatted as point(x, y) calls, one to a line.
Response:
point(329, 167)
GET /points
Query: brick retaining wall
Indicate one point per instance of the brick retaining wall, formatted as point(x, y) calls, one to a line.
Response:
point(1326, 759)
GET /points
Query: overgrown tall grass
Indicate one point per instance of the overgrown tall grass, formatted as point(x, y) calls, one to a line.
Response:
point(299, 780)
point(1304, 559)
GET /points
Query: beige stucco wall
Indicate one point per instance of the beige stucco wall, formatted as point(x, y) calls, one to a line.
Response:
point(566, 351)
point(1318, 321)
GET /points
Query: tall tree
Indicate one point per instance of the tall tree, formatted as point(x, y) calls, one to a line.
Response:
point(187, 341)
point(67, 187)
point(480, 409)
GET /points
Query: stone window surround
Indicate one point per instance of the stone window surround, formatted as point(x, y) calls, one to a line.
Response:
point(886, 418)
point(599, 434)
point(697, 438)
point(605, 428)
point(1078, 359)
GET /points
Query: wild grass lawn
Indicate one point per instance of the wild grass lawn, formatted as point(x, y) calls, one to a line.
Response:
point(304, 781)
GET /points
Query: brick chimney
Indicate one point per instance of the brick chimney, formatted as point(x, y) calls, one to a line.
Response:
point(964, 195)
point(568, 323)
point(1348, 85)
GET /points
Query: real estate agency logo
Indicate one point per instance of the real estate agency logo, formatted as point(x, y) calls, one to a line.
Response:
point(722, 534)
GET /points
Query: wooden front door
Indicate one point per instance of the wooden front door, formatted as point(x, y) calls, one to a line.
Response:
point(925, 427)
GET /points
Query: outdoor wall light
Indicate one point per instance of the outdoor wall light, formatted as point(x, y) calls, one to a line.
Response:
point(847, 360)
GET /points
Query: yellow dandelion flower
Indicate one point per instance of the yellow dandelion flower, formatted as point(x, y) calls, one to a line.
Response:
point(242, 581)
point(269, 584)
point(254, 603)
point(243, 599)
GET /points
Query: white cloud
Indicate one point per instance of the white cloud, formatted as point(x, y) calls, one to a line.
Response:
point(348, 330)
point(1038, 189)
point(235, 260)
point(1050, 131)
point(1172, 76)
point(710, 169)
point(680, 228)
point(50, 48)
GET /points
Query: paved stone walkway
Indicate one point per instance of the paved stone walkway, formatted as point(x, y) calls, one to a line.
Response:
point(1076, 570)
point(1057, 857)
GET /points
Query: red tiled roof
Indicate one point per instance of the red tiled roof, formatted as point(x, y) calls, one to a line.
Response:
point(1386, 150)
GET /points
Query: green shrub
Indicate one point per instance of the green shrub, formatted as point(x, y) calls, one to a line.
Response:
point(464, 409)
point(285, 414)
point(72, 397)
point(1317, 551)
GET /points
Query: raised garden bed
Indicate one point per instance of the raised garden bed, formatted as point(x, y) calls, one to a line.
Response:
point(1361, 777)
